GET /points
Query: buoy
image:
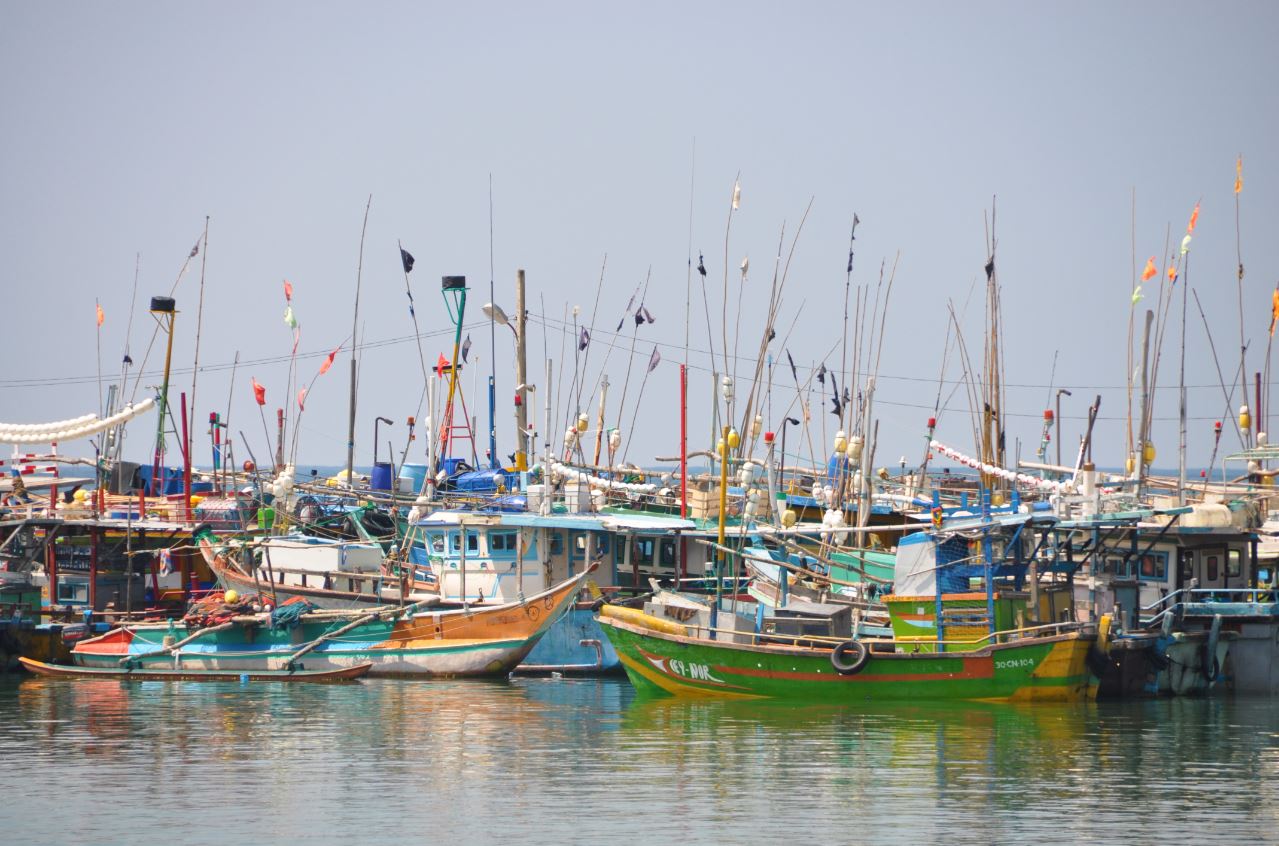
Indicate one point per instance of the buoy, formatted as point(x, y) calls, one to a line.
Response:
point(789, 518)
point(1245, 418)
point(249, 466)
point(855, 445)
point(1130, 464)
point(582, 422)
point(1148, 453)
point(757, 425)
point(734, 439)
point(841, 441)
point(231, 597)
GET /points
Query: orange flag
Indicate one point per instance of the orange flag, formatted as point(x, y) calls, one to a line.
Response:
point(1238, 174)
point(1172, 274)
point(1274, 310)
point(259, 392)
point(101, 316)
point(328, 362)
point(288, 291)
point(1150, 270)
point(1194, 218)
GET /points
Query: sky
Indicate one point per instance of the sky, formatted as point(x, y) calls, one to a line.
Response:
point(611, 137)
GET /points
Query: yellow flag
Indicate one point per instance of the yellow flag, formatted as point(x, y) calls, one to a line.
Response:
point(1238, 174)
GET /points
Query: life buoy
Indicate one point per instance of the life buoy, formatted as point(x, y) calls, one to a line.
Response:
point(849, 657)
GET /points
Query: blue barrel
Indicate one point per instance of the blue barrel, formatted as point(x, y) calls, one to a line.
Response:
point(412, 476)
point(381, 478)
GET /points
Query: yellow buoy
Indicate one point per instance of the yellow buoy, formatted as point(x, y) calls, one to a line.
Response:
point(734, 439)
point(1148, 453)
point(789, 517)
point(1245, 418)
point(1130, 464)
point(231, 597)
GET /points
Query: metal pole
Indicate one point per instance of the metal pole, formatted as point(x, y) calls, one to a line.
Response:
point(683, 441)
point(156, 467)
point(521, 373)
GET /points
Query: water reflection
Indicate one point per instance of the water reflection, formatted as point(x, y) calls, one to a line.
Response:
point(584, 760)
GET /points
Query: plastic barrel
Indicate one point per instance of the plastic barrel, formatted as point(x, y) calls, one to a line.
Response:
point(381, 478)
point(266, 517)
point(411, 478)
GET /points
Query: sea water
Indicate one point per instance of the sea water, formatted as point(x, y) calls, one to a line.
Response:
point(586, 761)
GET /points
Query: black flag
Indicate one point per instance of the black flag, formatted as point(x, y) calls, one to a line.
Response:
point(793, 372)
point(990, 268)
point(195, 250)
point(466, 345)
point(406, 258)
point(701, 265)
point(821, 373)
point(647, 314)
point(584, 341)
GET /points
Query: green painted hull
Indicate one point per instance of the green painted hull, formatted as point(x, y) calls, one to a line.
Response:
point(1044, 668)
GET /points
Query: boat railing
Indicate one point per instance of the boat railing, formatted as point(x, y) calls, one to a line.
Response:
point(971, 645)
point(1174, 604)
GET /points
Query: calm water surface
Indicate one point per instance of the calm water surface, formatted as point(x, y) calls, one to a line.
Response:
point(585, 761)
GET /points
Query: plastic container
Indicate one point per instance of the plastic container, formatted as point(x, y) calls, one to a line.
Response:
point(412, 477)
point(381, 478)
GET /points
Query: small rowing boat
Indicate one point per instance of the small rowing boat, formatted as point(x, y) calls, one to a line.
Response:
point(192, 674)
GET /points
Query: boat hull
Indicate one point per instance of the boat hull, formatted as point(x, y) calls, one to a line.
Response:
point(440, 644)
point(40, 668)
point(1038, 669)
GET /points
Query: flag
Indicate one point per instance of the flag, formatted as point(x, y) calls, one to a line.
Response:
point(259, 392)
point(701, 265)
point(101, 316)
point(1185, 245)
point(850, 262)
point(288, 291)
point(746, 266)
point(821, 373)
point(128, 359)
point(441, 365)
point(1274, 310)
point(856, 220)
point(584, 341)
point(302, 400)
point(466, 347)
point(289, 319)
point(639, 317)
point(1194, 219)
point(1137, 296)
point(406, 259)
point(1172, 275)
point(737, 195)
point(1150, 270)
point(793, 372)
point(195, 250)
point(328, 362)
point(654, 360)
point(990, 268)
point(648, 315)
point(1238, 174)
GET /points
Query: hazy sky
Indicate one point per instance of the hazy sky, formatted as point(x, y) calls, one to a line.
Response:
point(125, 124)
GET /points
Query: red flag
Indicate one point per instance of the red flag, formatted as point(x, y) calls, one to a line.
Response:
point(259, 392)
point(1194, 219)
point(1274, 310)
point(441, 365)
point(288, 291)
point(328, 362)
point(1149, 271)
point(302, 400)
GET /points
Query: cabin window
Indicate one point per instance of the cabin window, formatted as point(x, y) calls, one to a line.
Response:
point(601, 541)
point(69, 591)
point(1153, 565)
point(472, 542)
point(1212, 568)
point(668, 552)
point(557, 543)
point(644, 549)
point(1187, 566)
point(502, 543)
point(435, 542)
point(1234, 563)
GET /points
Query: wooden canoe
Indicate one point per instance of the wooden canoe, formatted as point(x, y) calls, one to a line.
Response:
point(155, 674)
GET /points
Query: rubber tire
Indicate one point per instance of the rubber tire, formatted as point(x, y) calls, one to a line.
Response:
point(848, 668)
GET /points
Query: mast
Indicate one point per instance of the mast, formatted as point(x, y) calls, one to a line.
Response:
point(521, 374)
point(355, 346)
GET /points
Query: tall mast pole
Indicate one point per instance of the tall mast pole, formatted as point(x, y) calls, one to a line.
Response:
point(355, 346)
point(521, 373)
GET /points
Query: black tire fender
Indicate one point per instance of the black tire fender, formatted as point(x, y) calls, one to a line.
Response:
point(849, 657)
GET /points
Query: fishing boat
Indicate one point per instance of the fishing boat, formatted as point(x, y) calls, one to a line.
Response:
point(62, 671)
point(963, 628)
point(469, 641)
